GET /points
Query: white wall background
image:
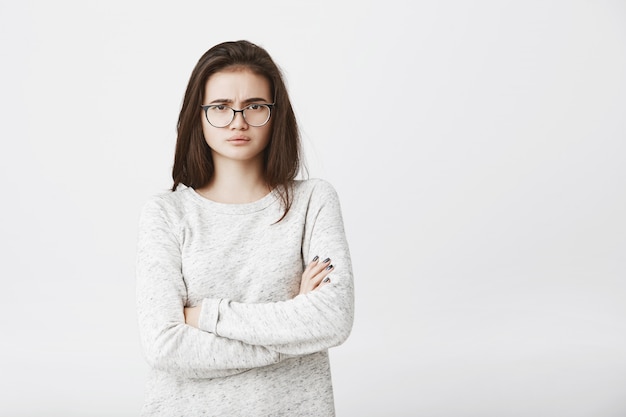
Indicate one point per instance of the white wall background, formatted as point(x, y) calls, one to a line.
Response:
point(478, 148)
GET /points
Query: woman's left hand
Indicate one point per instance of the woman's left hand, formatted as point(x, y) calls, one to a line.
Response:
point(315, 275)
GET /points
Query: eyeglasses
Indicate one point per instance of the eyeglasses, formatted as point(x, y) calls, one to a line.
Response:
point(219, 115)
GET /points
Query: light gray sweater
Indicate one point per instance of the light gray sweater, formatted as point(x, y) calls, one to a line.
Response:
point(261, 349)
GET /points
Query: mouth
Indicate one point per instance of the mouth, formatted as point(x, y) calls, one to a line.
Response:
point(238, 139)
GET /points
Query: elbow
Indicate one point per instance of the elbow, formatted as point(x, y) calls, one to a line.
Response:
point(338, 320)
point(342, 316)
point(156, 357)
point(160, 350)
point(344, 330)
point(340, 328)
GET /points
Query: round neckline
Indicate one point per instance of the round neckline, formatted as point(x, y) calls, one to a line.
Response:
point(234, 208)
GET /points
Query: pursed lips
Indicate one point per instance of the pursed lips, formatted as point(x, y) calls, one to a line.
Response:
point(239, 139)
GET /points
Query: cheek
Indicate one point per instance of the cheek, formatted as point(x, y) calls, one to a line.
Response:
point(268, 133)
point(267, 137)
point(208, 132)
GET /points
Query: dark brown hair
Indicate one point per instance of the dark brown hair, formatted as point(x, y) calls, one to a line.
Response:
point(193, 163)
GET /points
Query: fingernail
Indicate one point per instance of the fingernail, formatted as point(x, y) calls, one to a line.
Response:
point(315, 259)
point(327, 279)
point(326, 260)
point(329, 267)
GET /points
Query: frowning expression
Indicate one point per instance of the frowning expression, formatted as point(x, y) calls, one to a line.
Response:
point(237, 89)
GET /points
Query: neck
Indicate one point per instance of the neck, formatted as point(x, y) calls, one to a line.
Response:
point(236, 183)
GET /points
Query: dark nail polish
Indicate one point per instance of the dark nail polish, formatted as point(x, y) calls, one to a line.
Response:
point(329, 267)
point(326, 260)
point(315, 259)
point(326, 279)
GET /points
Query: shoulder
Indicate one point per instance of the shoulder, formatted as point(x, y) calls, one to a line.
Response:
point(169, 205)
point(314, 195)
point(315, 187)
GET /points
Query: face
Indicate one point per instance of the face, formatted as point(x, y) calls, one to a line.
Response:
point(237, 141)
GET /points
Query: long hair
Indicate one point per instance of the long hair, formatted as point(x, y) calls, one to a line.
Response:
point(193, 163)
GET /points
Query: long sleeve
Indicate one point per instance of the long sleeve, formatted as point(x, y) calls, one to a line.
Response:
point(308, 323)
point(168, 343)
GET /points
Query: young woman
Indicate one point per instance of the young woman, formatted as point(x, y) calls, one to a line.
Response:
point(244, 278)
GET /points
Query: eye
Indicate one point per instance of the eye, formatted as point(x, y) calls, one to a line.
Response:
point(255, 107)
point(219, 107)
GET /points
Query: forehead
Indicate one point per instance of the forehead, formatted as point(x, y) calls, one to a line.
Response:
point(237, 84)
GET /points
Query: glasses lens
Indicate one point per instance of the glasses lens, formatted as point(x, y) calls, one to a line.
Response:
point(256, 114)
point(219, 116)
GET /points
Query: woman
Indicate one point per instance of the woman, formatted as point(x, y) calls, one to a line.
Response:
point(244, 278)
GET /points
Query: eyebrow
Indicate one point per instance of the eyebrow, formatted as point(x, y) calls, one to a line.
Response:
point(246, 101)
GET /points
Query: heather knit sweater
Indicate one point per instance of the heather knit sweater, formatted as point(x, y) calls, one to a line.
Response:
point(261, 350)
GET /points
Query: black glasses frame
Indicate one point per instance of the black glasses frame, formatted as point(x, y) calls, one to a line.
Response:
point(270, 106)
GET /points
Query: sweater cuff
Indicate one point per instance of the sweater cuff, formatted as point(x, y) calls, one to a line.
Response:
point(209, 315)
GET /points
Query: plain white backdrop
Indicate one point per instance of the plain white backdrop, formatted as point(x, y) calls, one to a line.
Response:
point(478, 149)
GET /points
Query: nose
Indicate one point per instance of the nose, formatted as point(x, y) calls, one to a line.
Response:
point(238, 121)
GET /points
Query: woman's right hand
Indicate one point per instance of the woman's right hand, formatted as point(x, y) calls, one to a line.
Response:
point(315, 275)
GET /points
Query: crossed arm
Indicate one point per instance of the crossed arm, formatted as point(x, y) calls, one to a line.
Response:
point(222, 337)
point(314, 276)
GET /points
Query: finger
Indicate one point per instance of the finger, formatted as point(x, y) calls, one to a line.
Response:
point(315, 267)
point(308, 271)
point(317, 279)
point(314, 263)
point(321, 266)
point(324, 282)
